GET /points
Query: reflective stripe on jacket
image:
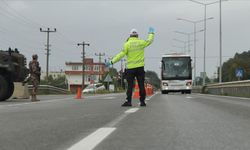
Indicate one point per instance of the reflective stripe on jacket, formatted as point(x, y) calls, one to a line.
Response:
point(134, 50)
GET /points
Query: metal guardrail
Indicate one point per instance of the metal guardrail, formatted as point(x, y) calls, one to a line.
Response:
point(237, 88)
point(230, 84)
point(196, 89)
point(48, 89)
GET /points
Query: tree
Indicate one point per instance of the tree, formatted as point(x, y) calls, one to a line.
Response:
point(239, 61)
point(199, 80)
point(114, 75)
point(153, 78)
point(112, 72)
point(59, 81)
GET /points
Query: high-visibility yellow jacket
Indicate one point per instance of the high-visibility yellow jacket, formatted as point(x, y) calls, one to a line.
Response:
point(134, 50)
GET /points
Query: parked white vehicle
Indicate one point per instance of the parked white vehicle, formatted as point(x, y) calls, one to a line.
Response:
point(92, 88)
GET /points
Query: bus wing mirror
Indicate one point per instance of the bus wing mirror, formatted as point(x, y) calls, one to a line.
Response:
point(162, 64)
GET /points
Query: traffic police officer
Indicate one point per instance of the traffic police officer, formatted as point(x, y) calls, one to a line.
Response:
point(134, 50)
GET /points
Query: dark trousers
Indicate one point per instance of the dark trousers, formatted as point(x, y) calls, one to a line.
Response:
point(139, 73)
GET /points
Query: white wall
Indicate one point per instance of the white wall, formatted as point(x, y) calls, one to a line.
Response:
point(77, 79)
point(74, 79)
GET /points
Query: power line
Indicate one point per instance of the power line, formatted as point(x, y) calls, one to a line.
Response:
point(15, 19)
point(65, 38)
point(31, 23)
point(100, 56)
point(22, 17)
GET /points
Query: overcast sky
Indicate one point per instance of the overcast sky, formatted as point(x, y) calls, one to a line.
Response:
point(105, 24)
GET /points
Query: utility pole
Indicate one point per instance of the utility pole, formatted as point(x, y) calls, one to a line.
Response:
point(188, 40)
point(205, 28)
point(47, 49)
point(100, 60)
point(83, 58)
point(220, 71)
point(194, 23)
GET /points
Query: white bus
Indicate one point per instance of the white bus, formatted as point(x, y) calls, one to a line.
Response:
point(176, 73)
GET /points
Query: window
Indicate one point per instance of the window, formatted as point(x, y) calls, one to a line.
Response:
point(74, 67)
point(176, 68)
point(96, 68)
point(94, 77)
point(87, 68)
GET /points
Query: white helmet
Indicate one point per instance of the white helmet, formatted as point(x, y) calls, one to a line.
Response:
point(133, 32)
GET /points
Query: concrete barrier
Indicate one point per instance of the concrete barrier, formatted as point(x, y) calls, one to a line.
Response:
point(237, 88)
point(197, 89)
point(20, 91)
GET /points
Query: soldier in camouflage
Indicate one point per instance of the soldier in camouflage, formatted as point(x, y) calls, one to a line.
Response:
point(35, 73)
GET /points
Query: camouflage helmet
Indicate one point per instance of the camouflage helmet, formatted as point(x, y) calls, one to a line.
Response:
point(34, 56)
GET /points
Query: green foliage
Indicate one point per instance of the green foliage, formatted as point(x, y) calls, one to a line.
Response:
point(239, 61)
point(153, 78)
point(199, 81)
point(60, 81)
point(112, 72)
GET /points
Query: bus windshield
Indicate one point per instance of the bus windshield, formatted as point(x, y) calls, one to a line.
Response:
point(176, 68)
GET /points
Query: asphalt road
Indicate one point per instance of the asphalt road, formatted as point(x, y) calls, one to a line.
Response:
point(169, 122)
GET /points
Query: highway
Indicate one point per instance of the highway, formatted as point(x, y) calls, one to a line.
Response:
point(169, 122)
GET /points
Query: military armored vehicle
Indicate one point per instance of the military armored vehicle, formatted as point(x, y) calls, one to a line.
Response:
point(12, 69)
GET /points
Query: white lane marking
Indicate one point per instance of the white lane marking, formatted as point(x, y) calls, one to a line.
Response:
point(219, 96)
point(102, 95)
point(91, 141)
point(109, 98)
point(39, 102)
point(132, 110)
point(189, 97)
point(116, 121)
point(120, 118)
point(55, 100)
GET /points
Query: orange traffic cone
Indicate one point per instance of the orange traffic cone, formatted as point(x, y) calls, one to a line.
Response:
point(147, 90)
point(136, 92)
point(79, 93)
point(151, 90)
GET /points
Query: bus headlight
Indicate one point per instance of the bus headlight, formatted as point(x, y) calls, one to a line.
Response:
point(189, 83)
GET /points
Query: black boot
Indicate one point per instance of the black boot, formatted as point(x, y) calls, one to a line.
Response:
point(143, 104)
point(127, 104)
